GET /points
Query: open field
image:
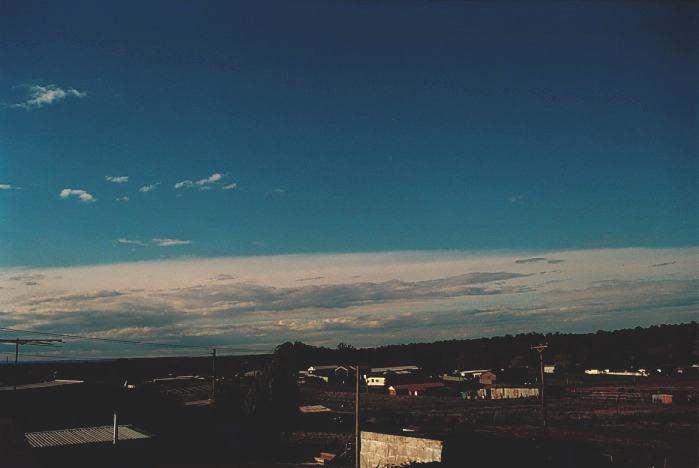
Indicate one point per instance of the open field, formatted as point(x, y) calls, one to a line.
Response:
point(633, 433)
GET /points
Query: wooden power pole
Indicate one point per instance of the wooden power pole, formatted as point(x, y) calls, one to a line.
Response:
point(540, 348)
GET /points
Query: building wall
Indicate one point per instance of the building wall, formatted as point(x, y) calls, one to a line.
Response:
point(502, 393)
point(386, 450)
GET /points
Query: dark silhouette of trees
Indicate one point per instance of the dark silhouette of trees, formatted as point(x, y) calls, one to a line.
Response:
point(654, 347)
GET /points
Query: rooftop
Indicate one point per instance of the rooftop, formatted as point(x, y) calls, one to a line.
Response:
point(80, 436)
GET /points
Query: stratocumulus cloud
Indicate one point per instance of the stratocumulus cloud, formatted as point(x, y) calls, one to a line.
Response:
point(365, 299)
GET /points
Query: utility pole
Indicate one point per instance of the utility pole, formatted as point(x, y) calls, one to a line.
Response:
point(540, 348)
point(357, 436)
point(23, 341)
point(115, 433)
point(213, 376)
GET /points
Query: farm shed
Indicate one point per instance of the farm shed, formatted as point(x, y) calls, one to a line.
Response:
point(505, 393)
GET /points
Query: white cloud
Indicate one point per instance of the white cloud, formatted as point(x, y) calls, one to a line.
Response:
point(81, 194)
point(280, 191)
point(230, 187)
point(202, 184)
point(212, 179)
point(117, 179)
point(9, 187)
point(131, 242)
point(124, 198)
point(40, 96)
point(149, 188)
point(170, 242)
point(184, 184)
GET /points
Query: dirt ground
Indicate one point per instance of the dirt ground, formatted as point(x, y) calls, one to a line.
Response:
point(637, 432)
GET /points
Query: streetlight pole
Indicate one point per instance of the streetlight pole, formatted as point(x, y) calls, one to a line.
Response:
point(540, 348)
point(213, 376)
point(357, 434)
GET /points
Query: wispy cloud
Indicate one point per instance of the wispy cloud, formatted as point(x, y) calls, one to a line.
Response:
point(123, 199)
point(9, 187)
point(539, 260)
point(519, 200)
point(184, 184)
point(656, 265)
point(170, 242)
point(79, 193)
point(117, 179)
point(202, 184)
point(149, 188)
point(230, 187)
point(157, 242)
point(40, 96)
point(279, 191)
point(124, 240)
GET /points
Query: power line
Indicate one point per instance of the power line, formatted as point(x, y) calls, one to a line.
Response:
point(123, 341)
point(63, 357)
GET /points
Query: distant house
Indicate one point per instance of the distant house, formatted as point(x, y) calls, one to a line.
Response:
point(328, 373)
point(380, 377)
point(487, 378)
point(417, 389)
point(375, 380)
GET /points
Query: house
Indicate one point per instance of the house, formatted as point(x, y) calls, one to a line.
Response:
point(487, 378)
point(375, 380)
point(416, 389)
point(380, 377)
point(328, 373)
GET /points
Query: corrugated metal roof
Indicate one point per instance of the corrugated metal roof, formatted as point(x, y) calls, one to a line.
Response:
point(81, 435)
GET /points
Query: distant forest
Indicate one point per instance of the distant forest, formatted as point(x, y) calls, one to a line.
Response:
point(658, 346)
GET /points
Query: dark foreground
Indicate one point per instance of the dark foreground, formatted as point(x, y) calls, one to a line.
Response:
point(582, 432)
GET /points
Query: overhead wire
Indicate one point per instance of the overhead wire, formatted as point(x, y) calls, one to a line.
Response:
point(126, 341)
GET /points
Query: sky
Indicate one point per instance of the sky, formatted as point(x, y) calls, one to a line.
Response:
point(148, 147)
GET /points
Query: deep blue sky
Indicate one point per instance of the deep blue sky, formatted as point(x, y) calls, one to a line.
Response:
point(347, 126)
